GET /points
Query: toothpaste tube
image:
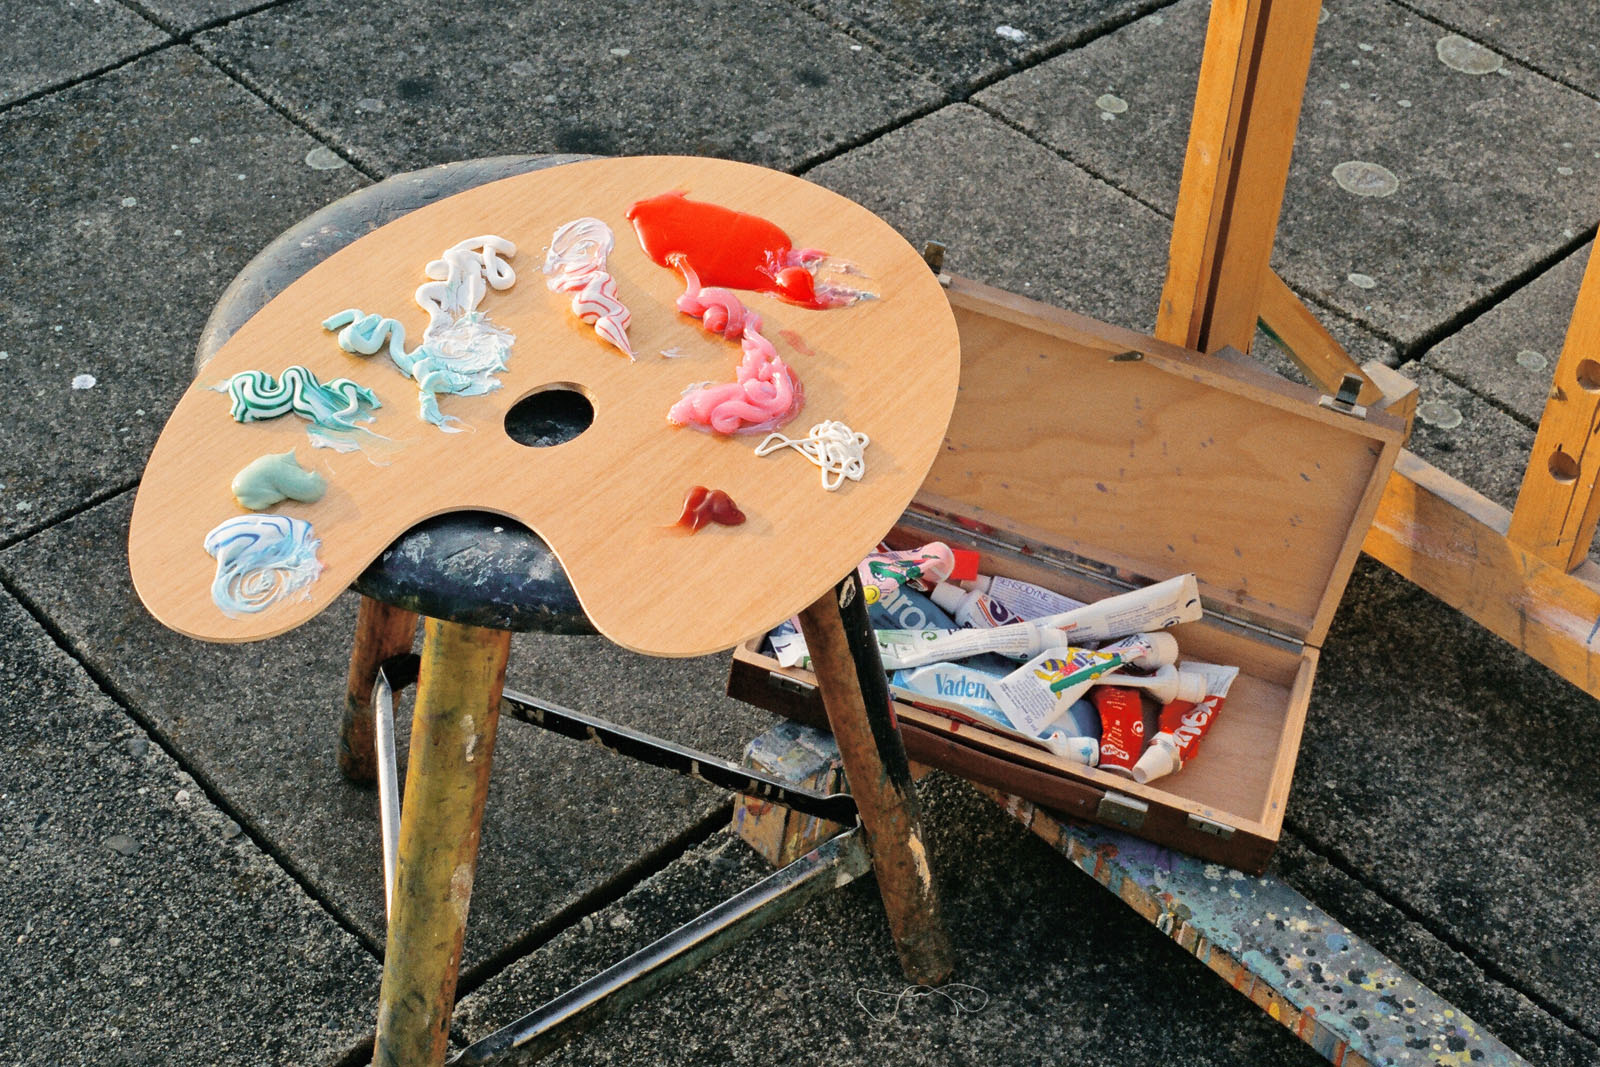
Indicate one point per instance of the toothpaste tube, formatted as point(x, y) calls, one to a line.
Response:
point(1155, 607)
point(972, 608)
point(1162, 650)
point(1166, 684)
point(913, 648)
point(903, 608)
point(1041, 691)
point(1024, 600)
point(1183, 723)
point(882, 572)
point(937, 685)
point(787, 646)
point(953, 681)
point(1122, 727)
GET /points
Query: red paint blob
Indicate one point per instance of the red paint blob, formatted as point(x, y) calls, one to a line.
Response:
point(703, 506)
point(727, 248)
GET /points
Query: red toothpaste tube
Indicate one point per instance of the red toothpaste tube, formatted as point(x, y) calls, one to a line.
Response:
point(1121, 727)
point(1183, 724)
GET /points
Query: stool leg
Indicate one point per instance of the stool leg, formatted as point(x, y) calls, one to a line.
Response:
point(855, 693)
point(452, 744)
point(381, 631)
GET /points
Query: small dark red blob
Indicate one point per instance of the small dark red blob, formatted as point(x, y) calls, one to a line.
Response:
point(703, 506)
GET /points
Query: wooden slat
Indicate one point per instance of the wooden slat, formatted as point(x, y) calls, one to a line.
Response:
point(1247, 107)
point(1308, 342)
point(1453, 542)
point(1253, 933)
point(1559, 502)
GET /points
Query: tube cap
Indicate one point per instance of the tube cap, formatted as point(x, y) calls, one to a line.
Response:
point(948, 595)
point(1191, 686)
point(1158, 761)
point(966, 565)
point(1163, 650)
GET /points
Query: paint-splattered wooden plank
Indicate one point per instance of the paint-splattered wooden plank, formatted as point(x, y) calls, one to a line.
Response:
point(1334, 991)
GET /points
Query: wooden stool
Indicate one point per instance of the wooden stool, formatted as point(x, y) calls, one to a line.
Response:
point(516, 583)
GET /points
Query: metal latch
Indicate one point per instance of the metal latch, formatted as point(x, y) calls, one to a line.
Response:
point(1123, 811)
point(789, 684)
point(1206, 826)
point(1344, 401)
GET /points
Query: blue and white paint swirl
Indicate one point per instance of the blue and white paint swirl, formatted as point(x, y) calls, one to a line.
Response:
point(461, 350)
point(261, 559)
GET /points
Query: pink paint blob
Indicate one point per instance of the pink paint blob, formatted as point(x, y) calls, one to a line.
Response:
point(764, 395)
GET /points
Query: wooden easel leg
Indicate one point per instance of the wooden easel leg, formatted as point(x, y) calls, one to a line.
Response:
point(1246, 110)
point(855, 692)
point(452, 745)
point(381, 631)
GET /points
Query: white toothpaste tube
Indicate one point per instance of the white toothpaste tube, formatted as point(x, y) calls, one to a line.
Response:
point(1042, 690)
point(1162, 650)
point(913, 648)
point(972, 607)
point(1165, 684)
point(1022, 599)
point(1155, 607)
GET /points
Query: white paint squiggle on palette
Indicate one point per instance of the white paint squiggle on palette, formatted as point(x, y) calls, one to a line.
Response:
point(461, 350)
point(261, 559)
point(837, 451)
point(576, 264)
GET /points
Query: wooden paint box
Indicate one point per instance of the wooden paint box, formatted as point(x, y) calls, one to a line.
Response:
point(1093, 459)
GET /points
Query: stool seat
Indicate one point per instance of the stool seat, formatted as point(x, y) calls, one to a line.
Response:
point(468, 567)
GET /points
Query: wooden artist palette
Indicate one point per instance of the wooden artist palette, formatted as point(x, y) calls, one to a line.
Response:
point(606, 500)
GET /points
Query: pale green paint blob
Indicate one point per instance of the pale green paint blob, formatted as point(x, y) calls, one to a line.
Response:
point(1468, 57)
point(272, 478)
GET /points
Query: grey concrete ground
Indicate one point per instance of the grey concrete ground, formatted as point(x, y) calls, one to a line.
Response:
point(187, 879)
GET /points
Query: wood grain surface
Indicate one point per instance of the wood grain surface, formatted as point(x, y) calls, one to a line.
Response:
point(605, 501)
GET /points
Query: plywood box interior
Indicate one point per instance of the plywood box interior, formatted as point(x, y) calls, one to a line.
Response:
point(1091, 460)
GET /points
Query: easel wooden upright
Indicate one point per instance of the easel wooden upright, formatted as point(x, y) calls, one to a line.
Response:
point(1524, 574)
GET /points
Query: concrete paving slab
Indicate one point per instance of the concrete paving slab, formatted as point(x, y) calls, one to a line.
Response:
point(1510, 353)
point(969, 42)
point(136, 197)
point(963, 178)
point(259, 723)
point(1460, 789)
point(187, 16)
point(1554, 38)
point(1474, 179)
point(48, 45)
point(1467, 437)
point(759, 80)
point(1070, 974)
point(140, 925)
point(1523, 1025)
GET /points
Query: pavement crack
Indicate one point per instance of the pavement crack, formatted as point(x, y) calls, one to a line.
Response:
point(1499, 294)
point(322, 137)
point(94, 500)
point(70, 83)
point(207, 785)
point(1492, 970)
point(1443, 23)
point(622, 883)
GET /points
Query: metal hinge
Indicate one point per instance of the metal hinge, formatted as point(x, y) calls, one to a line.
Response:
point(1123, 811)
point(789, 684)
point(1206, 826)
point(1344, 402)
